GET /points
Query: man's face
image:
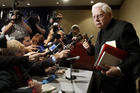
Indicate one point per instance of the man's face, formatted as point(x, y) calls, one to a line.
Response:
point(61, 34)
point(27, 41)
point(100, 18)
point(76, 31)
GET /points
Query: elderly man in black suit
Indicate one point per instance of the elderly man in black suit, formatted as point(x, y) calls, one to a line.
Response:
point(120, 78)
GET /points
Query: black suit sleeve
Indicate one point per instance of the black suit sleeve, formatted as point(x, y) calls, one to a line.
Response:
point(38, 68)
point(6, 61)
point(130, 43)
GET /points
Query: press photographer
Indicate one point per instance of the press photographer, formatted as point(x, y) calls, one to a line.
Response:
point(54, 26)
point(34, 23)
point(16, 28)
point(15, 16)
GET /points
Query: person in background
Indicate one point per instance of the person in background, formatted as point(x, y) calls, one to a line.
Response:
point(54, 24)
point(120, 78)
point(16, 27)
point(27, 42)
point(16, 72)
point(34, 23)
point(75, 29)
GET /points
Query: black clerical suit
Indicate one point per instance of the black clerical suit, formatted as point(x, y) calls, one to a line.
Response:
point(125, 36)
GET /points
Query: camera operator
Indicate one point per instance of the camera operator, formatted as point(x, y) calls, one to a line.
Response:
point(72, 35)
point(54, 27)
point(34, 23)
point(16, 27)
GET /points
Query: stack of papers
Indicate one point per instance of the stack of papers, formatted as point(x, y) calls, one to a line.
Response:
point(46, 88)
point(109, 55)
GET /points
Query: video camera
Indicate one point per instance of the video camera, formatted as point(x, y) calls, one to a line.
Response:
point(55, 24)
point(3, 41)
point(17, 13)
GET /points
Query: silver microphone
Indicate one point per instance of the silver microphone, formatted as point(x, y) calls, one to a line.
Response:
point(91, 36)
point(74, 58)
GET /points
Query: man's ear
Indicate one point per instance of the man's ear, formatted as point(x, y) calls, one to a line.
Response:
point(110, 15)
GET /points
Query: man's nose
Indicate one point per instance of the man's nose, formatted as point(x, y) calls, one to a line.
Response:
point(96, 19)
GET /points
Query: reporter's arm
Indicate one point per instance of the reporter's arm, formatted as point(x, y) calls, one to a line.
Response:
point(40, 29)
point(7, 27)
point(26, 27)
point(12, 60)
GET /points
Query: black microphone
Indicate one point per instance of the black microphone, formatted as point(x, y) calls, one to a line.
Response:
point(91, 36)
point(73, 42)
point(77, 39)
point(52, 49)
point(73, 58)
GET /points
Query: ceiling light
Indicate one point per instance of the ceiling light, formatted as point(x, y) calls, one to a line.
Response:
point(28, 4)
point(3, 4)
point(91, 1)
point(65, 0)
point(57, 3)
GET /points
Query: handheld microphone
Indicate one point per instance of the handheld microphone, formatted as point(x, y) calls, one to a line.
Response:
point(77, 39)
point(49, 79)
point(52, 49)
point(73, 42)
point(73, 58)
point(91, 36)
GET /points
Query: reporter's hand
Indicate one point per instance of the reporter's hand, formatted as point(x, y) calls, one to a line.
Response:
point(50, 70)
point(13, 17)
point(50, 36)
point(36, 85)
point(86, 45)
point(74, 38)
point(33, 56)
point(62, 54)
point(112, 71)
point(31, 48)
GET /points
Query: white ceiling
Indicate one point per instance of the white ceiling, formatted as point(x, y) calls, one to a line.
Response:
point(46, 3)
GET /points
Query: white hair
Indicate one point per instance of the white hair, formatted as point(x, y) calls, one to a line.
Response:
point(105, 7)
point(73, 27)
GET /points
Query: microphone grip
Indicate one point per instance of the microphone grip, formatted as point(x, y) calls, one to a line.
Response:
point(91, 36)
point(49, 79)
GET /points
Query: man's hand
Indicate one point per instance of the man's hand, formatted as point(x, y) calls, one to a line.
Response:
point(13, 17)
point(31, 48)
point(63, 53)
point(36, 85)
point(34, 56)
point(86, 45)
point(112, 71)
point(51, 70)
point(74, 38)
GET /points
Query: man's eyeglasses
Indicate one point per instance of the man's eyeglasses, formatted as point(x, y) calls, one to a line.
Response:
point(98, 16)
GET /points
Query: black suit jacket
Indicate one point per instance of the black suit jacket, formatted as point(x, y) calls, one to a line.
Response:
point(125, 36)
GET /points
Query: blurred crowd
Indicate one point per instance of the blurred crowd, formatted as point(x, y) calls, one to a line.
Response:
point(31, 50)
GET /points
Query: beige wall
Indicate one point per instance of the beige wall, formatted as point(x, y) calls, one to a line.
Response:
point(83, 18)
point(130, 12)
